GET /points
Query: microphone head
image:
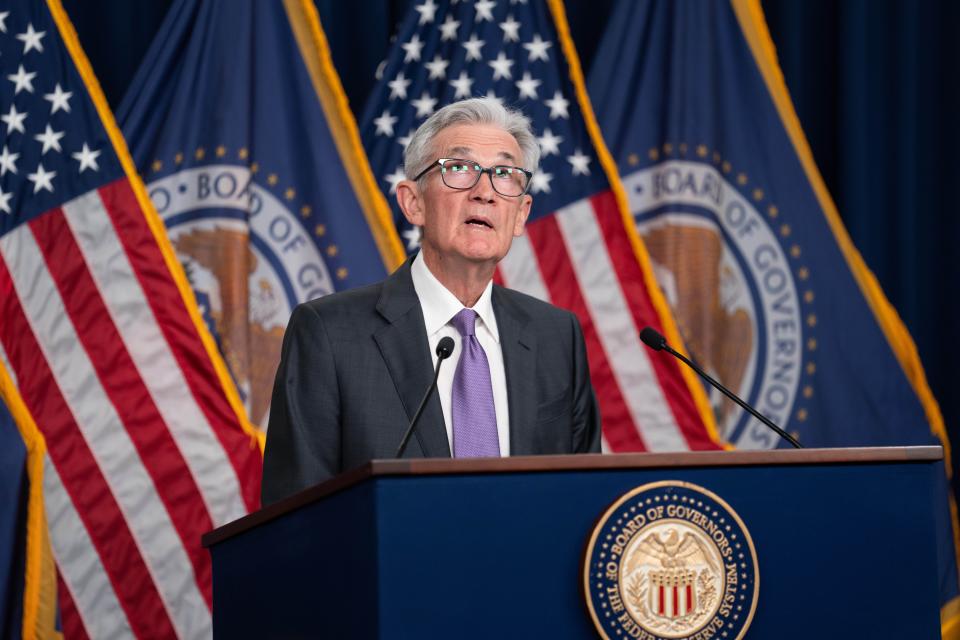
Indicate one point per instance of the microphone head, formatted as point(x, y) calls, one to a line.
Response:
point(445, 347)
point(652, 338)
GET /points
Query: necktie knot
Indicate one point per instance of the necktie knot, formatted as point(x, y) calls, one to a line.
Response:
point(465, 322)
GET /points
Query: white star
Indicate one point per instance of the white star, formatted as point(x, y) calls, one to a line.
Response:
point(385, 123)
point(8, 161)
point(501, 66)
point(511, 30)
point(5, 201)
point(549, 143)
point(50, 139)
point(438, 67)
point(462, 85)
point(22, 79)
point(448, 30)
point(412, 236)
point(395, 178)
point(42, 179)
point(412, 48)
point(424, 105)
point(580, 164)
point(398, 87)
point(87, 158)
point(405, 140)
point(473, 46)
point(31, 39)
point(427, 11)
point(558, 106)
point(484, 10)
point(540, 182)
point(59, 99)
point(492, 96)
point(537, 48)
point(527, 86)
point(14, 120)
point(3, 21)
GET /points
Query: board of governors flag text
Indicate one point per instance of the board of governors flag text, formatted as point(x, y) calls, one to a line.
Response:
point(137, 441)
point(578, 252)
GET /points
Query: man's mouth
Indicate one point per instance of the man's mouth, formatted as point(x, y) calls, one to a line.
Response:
point(479, 222)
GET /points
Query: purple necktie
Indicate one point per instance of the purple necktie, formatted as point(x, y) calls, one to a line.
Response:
point(474, 415)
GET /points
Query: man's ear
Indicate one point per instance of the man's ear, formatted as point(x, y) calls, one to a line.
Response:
point(410, 201)
point(522, 216)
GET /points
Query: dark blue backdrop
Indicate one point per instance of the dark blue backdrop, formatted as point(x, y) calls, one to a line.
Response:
point(874, 83)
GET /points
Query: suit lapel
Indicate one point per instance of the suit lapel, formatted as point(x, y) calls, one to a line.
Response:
point(519, 347)
point(406, 351)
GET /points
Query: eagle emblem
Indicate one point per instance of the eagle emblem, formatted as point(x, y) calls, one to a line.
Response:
point(670, 559)
point(673, 575)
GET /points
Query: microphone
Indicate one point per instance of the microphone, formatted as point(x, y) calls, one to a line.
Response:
point(652, 338)
point(444, 350)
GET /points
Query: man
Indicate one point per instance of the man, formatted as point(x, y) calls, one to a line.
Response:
point(356, 364)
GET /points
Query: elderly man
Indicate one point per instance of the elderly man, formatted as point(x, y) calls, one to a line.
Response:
point(356, 364)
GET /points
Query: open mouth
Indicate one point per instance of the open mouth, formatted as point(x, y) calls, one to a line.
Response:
point(479, 222)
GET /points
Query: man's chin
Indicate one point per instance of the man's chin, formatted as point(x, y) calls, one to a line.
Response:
point(472, 254)
point(479, 250)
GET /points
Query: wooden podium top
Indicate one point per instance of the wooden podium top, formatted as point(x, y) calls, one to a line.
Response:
point(586, 462)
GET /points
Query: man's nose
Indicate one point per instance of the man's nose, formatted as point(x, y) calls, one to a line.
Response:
point(483, 190)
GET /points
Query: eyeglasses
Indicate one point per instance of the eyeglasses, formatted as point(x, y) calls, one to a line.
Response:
point(459, 174)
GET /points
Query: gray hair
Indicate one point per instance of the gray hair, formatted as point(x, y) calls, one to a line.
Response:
point(418, 153)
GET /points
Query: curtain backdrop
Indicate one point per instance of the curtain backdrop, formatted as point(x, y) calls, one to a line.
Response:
point(875, 85)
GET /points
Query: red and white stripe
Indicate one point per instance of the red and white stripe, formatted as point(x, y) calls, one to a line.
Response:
point(673, 601)
point(145, 453)
point(644, 400)
point(96, 603)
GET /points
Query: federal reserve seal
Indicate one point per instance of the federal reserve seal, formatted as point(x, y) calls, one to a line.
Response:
point(249, 257)
point(736, 276)
point(671, 560)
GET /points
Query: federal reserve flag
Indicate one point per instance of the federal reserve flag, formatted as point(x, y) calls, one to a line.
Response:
point(580, 250)
point(135, 440)
point(768, 291)
point(239, 126)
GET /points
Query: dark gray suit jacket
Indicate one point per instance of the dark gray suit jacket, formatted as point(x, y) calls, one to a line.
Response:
point(356, 364)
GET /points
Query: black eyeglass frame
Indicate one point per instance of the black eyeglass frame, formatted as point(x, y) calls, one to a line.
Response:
point(483, 170)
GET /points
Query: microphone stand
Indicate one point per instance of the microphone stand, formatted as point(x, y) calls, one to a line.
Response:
point(444, 350)
point(655, 341)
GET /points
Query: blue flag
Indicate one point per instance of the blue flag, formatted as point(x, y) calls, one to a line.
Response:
point(766, 286)
point(239, 126)
point(13, 525)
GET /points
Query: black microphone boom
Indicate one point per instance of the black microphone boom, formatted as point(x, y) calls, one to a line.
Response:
point(657, 342)
point(444, 349)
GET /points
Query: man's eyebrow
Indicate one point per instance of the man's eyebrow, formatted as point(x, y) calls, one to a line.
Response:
point(467, 151)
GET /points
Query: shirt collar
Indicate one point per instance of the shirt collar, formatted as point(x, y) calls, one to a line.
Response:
point(439, 305)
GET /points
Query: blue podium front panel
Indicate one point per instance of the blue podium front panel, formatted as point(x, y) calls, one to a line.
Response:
point(840, 550)
point(843, 551)
point(309, 574)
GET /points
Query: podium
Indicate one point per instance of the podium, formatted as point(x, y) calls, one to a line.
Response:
point(494, 548)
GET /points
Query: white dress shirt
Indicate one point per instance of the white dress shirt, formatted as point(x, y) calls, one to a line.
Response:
point(439, 306)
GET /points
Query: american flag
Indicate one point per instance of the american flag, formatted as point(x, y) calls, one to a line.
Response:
point(108, 370)
point(580, 250)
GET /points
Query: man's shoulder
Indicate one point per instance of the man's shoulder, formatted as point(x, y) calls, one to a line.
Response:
point(365, 297)
point(344, 307)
